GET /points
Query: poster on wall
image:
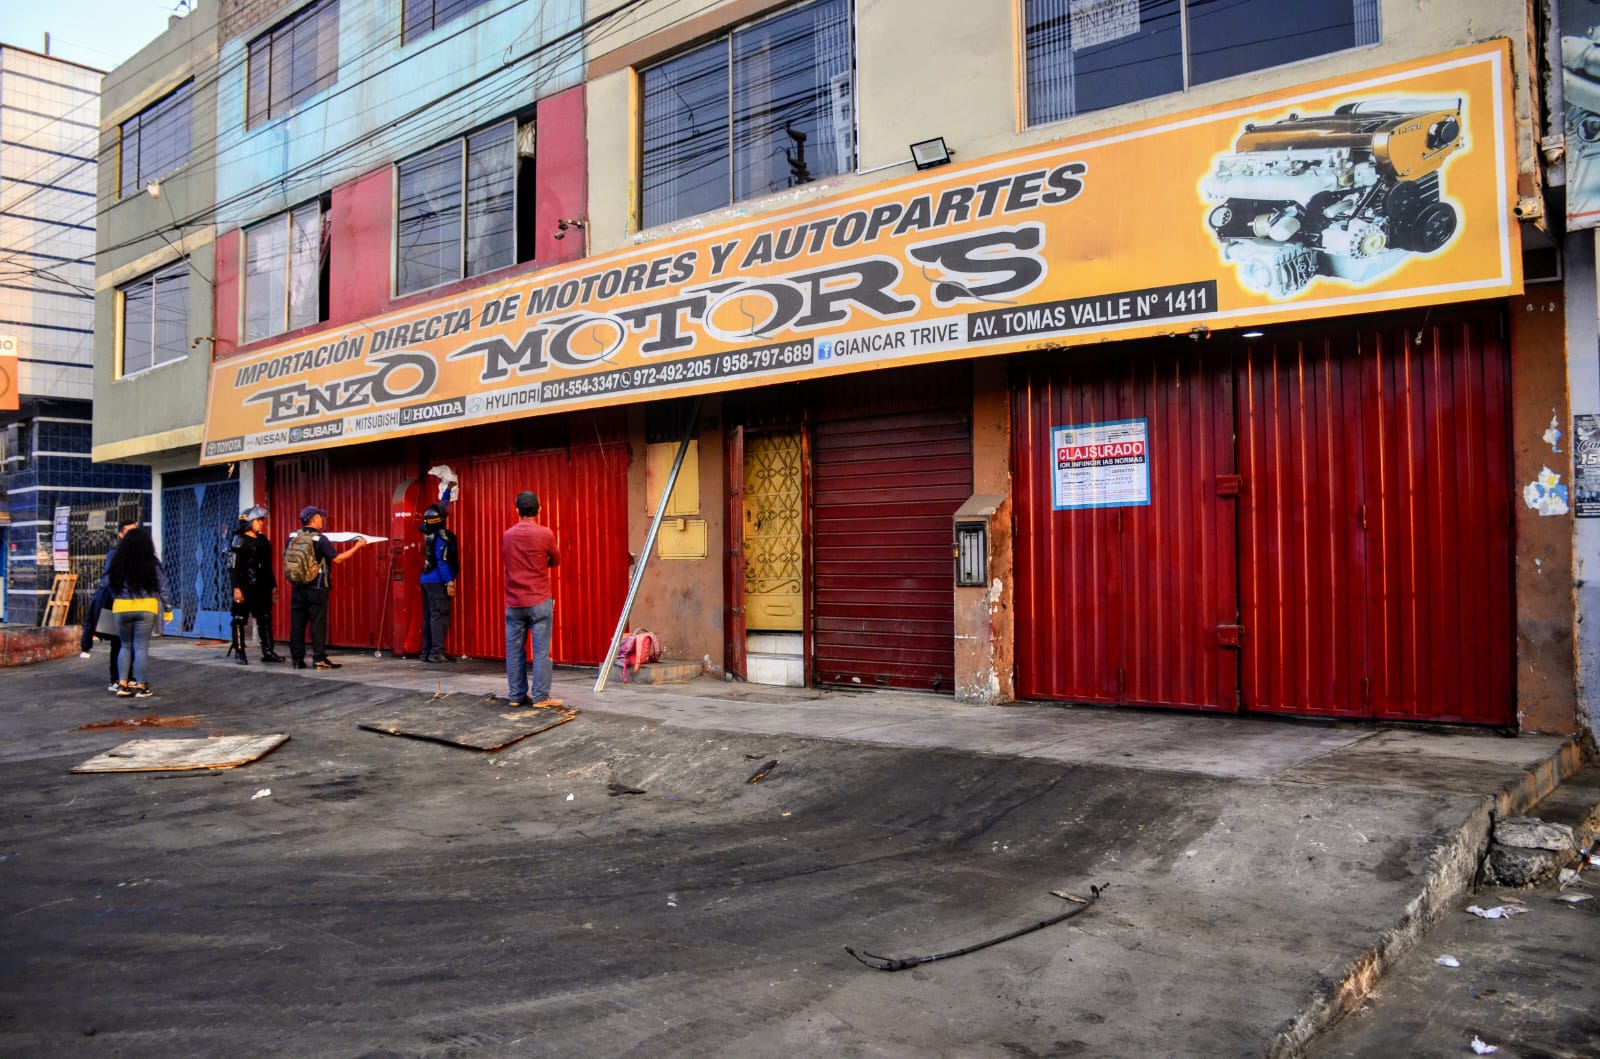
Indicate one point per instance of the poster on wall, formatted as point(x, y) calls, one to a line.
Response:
point(60, 540)
point(1586, 465)
point(1377, 190)
point(1101, 464)
point(1580, 86)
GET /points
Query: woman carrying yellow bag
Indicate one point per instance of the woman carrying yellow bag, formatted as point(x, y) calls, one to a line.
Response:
point(139, 593)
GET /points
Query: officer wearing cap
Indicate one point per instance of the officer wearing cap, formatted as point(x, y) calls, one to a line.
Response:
point(308, 603)
point(441, 563)
point(254, 584)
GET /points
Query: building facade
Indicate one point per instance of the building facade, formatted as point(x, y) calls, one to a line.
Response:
point(49, 123)
point(1163, 354)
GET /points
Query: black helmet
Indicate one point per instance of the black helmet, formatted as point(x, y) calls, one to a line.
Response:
point(432, 518)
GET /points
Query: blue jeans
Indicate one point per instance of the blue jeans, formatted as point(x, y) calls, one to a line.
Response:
point(520, 621)
point(135, 626)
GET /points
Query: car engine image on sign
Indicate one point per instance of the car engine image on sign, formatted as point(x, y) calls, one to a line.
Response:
point(1347, 195)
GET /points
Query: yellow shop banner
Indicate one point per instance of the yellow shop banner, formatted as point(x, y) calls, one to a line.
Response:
point(1386, 189)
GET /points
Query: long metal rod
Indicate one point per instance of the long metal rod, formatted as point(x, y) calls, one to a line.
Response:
point(649, 546)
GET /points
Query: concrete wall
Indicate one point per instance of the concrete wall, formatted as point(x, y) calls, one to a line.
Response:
point(390, 101)
point(160, 410)
point(681, 600)
point(960, 81)
point(1541, 440)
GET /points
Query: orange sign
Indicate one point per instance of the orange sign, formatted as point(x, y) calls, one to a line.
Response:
point(10, 383)
point(1389, 189)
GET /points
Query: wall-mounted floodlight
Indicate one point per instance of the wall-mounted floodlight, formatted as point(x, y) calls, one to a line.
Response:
point(929, 153)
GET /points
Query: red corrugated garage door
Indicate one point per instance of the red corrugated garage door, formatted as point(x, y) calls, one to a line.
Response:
point(355, 486)
point(1369, 560)
point(1376, 534)
point(1133, 603)
point(578, 464)
point(893, 462)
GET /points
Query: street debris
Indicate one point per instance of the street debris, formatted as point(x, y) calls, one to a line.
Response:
point(174, 755)
point(1483, 1049)
point(761, 773)
point(900, 963)
point(1447, 961)
point(149, 720)
point(1497, 912)
point(623, 788)
point(1573, 899)
point(570, 797)
point(265, 792)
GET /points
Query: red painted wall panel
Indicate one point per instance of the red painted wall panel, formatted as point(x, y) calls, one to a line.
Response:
point(562, 183)
point(361, 219)
point(1123, 604)
point(225, 293)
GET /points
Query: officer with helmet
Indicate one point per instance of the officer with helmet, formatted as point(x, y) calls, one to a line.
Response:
point(441, 563)
point(250, 573)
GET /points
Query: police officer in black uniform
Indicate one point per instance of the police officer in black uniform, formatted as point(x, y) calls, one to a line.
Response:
point(250, 573)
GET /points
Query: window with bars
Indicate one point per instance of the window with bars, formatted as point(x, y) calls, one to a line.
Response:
point(155, 141)
point(424, 15)
point(1087, 55)
point(457, 214)
point(765, 107)
point(284, 277)
point(293, 61)
point(153, 319)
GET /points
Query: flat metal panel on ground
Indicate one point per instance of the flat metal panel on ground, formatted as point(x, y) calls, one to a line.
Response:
point(176, 755)
point(473, 723)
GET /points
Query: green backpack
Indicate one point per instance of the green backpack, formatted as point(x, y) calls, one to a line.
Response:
point(300, 563)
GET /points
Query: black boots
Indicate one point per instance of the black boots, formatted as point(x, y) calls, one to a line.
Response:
point(236, 648)
point(267, 653)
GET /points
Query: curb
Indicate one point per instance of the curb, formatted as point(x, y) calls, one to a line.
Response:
point(1452, 871)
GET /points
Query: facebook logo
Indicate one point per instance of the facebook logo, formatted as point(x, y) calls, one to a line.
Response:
point(824, 350)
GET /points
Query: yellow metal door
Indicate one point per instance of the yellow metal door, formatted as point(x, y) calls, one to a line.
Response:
point(772, 533)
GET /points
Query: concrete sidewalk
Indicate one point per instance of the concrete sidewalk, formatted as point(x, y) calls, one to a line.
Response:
point(1480, 775)
point(1263, 873)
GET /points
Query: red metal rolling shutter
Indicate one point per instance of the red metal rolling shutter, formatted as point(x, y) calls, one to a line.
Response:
point(1131, 604)
point(355, 486)
point(579, 468)
point(893, 462)
point(1376, 569)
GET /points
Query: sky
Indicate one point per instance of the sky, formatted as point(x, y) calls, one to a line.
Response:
point(99, 33)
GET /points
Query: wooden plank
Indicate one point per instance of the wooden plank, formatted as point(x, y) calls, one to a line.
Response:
point(178, 755)
point(468, 724)
point(60, 601)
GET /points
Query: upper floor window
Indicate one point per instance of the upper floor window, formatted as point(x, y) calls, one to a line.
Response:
point(766, 107)
point(153, 318)
point(1087, 55)
point(293, 61)
point(423, 15)
point(283, 273)
point(457, 212)
point(155, 141)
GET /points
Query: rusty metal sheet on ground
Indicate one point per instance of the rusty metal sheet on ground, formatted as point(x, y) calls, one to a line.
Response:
point(466, 723)
point(176, 755)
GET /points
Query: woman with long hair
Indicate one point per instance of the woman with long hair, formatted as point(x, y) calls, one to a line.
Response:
point(138, 593)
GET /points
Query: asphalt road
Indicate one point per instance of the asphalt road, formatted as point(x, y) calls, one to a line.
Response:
point(398, 897)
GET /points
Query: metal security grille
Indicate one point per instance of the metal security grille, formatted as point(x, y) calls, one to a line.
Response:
point(197, 519)
point(91, 531)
